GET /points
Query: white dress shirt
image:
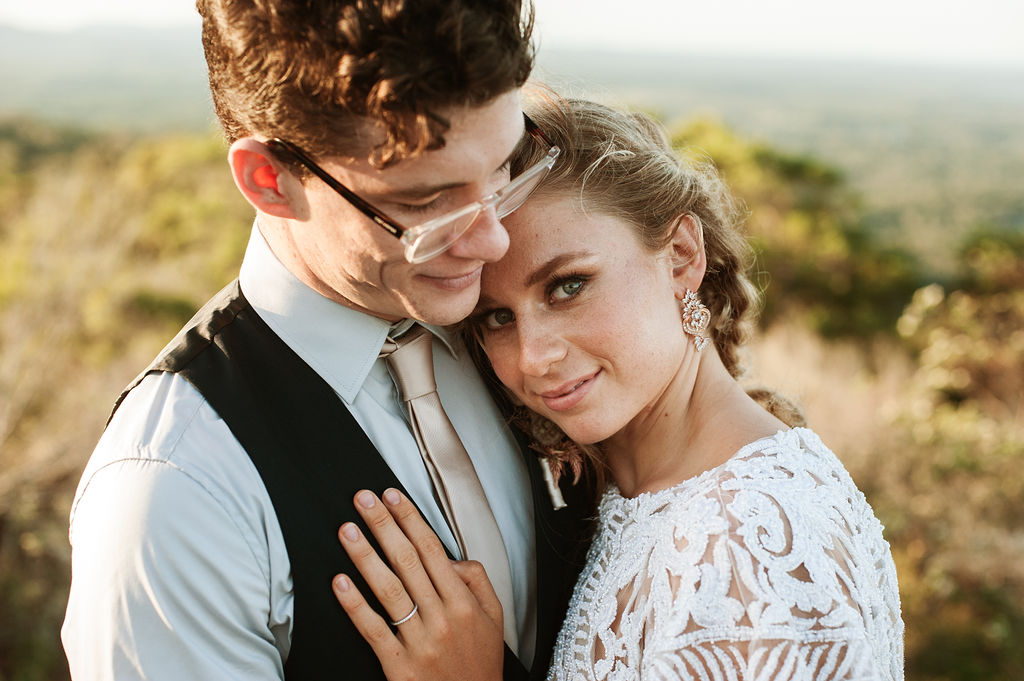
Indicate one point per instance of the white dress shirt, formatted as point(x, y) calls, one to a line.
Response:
point(179, 567)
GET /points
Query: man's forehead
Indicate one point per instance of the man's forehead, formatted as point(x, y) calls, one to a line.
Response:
point(503, 111)
point(478, 142)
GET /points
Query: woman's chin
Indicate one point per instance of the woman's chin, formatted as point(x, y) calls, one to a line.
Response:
point(583, 434)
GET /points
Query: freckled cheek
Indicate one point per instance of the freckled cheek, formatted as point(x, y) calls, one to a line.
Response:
point(504, 361)
point(611, 328)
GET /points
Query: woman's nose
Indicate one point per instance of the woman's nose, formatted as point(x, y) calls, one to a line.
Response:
point(540, 346)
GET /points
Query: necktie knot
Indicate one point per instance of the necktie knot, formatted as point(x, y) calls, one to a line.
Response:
point(411, 362)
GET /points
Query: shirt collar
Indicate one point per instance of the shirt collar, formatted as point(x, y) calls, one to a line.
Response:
point(339, 343)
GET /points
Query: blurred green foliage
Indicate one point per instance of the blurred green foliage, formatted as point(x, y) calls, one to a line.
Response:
point(953, 486)
point(817, 259)
point(108, 244)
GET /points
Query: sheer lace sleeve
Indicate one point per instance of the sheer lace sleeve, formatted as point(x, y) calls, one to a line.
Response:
point(770, 567)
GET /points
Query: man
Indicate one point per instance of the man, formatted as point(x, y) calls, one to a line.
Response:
point(365, 135)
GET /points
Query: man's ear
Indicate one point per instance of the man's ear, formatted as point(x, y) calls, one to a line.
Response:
point(262, 179)
point(687, 256)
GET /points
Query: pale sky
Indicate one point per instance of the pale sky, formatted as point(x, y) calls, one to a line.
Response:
point(989, 32)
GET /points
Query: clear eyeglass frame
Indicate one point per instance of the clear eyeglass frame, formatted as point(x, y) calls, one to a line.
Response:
point(433, 237)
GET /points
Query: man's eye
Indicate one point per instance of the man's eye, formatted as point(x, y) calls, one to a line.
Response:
point(415, 208)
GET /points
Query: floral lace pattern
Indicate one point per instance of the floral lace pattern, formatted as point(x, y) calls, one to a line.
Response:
point(771, 566)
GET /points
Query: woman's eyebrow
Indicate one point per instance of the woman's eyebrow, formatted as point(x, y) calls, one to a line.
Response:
point(545, 270)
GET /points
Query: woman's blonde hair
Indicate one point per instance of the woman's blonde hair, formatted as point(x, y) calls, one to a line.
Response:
point(622, 165)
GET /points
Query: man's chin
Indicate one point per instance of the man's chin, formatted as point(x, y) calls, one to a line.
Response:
point(444, 310)
point(442, 317)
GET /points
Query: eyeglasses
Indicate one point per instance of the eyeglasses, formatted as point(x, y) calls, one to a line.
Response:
point(431, 238)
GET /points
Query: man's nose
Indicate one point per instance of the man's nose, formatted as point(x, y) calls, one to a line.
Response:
point(486, 239)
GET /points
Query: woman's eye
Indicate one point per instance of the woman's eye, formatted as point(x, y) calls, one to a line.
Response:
point(495, 319)
point(566, 289)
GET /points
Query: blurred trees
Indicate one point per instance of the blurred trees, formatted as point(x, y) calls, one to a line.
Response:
point(817, 260)
point(954, 486)
point(108, 244)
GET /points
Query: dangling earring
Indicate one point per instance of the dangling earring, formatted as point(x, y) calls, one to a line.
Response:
point(696, 317)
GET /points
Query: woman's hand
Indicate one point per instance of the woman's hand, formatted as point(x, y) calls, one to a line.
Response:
point(447, 620)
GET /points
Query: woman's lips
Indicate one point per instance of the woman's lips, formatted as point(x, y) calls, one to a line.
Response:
point(570, 394)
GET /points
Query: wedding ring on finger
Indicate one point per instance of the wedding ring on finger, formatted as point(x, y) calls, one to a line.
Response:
point(408, 617)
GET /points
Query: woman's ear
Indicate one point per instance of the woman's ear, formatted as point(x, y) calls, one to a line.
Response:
point(688, 259)
point(261, 178)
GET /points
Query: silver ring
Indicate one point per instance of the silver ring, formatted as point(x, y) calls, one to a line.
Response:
point(407, 617)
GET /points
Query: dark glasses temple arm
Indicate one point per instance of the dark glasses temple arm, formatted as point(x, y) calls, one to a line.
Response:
point(280, 146)
point(536, 132)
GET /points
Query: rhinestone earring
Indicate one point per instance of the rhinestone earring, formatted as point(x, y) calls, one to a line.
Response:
point(696, 317)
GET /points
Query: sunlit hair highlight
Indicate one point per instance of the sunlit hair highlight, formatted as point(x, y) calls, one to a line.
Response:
point(325, 75)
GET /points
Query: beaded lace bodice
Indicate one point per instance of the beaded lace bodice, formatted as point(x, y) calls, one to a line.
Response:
point(771, 566)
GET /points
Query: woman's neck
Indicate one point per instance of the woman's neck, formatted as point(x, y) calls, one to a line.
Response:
point(701, 419)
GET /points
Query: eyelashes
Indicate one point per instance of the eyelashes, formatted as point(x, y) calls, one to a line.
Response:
point(565, 287)
point(560, 289)
point(493, 320)
point(437, 202)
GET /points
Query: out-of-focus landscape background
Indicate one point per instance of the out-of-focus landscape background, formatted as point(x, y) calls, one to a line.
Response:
point(885, 201)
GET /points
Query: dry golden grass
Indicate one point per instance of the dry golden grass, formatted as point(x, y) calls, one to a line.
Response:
point(850, 391)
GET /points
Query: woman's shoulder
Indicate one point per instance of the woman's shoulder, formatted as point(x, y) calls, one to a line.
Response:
point(793, 466)
point(798, 476)
point(790, 478)
point(782, 442)
point(794, 450)
point(781, 462)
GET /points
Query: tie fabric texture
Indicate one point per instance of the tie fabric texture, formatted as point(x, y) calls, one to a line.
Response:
point(458, 489)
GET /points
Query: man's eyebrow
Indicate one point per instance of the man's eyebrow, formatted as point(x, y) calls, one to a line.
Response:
point(423, 191)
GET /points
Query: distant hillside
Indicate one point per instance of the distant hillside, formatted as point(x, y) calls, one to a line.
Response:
point(136, 79)
point(935, 152)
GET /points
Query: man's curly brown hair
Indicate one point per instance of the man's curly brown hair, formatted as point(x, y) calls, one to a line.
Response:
point(316, 71)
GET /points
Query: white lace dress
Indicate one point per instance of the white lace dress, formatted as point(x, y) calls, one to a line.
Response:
point(771, 566)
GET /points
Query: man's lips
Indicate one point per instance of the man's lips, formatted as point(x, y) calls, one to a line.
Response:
point(569, 394)
point(456, 282)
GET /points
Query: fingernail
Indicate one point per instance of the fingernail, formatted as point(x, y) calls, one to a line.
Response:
point(341, 583)
point(350, 531)
point(392, 497)
point(365, 499)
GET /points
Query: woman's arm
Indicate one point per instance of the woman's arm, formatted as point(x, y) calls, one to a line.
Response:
point(443, 619)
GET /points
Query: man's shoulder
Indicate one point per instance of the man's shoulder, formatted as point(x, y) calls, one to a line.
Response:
point(171, 523)
point(165, 427)
point(154, 418)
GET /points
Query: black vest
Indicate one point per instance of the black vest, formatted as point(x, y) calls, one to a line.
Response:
point(313, 457)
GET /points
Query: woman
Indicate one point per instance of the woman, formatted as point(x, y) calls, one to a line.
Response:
point(729, 545)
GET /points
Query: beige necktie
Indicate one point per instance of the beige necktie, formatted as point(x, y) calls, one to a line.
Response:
point(455, 480)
